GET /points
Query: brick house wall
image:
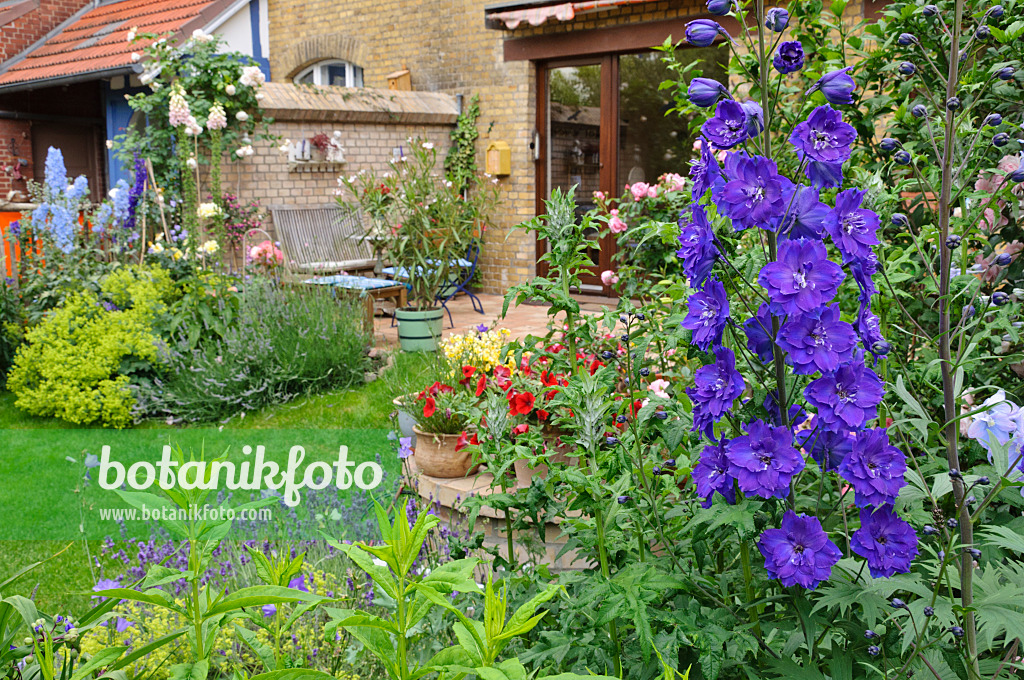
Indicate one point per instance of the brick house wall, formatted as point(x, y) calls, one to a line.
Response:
point(25, 30)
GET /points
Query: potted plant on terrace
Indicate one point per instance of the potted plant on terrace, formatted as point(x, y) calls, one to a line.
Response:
point(441, 418)
point(423, 225)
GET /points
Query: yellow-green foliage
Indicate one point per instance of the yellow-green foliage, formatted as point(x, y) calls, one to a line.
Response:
point(69, 365)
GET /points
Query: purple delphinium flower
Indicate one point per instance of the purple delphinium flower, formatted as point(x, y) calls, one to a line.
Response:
point(997, 423)
point(728, 127)
point(715, 387)
point(824, 136)
point(776, 19)
point(851, 227)
point(405, 447)
point(711, 474)
point(754, 194)
point(703, 32)
point(704, 92)
point(863, 268)
point(874, 468)
point(828, 449)
point(708, 315)
point(759, 334)
point(764, 461)
point(481, 328)
point(846, 399)
point(824, 175)
point(837, 86)
point(799, 553)
point(885, 541)
point(869, 329)
point(789, 57)
point(697, 247)
point(805, 214)
point(794, 414)
point(755, 118)
point(704, 171)
point(817, 340)
point(802, 279)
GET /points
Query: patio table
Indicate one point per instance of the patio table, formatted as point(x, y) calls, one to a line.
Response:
point(370, 290)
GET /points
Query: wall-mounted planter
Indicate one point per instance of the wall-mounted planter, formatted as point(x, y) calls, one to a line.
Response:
point(315, 166)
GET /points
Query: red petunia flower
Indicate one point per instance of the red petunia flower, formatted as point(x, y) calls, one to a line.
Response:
point(467, 373)
point(521, 404)
point(503, 377)
point(481, 384)
point(429, 408)
point(548, 379)
point(542, 414)
point(520, 429)
point(463, 441)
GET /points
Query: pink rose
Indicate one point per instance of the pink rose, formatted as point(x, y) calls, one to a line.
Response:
point(616, 225)
point(640, 190)
point(609, 278)
point(673, 181)
point(599, 195)
point(658, 386)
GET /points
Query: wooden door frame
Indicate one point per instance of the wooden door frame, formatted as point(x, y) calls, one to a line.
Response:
point(607, 144)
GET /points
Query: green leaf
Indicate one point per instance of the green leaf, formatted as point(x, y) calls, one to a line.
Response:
point(155, 597)
point(347, 618)
point(263, 651)
point(257, 596)
point(159, 575)
point(523, 620)
point(25, 607)
point(468, 642)
point(1005, 538)
point(143, 651)
point(187, 671)
point(294, 674)
point(104, 657)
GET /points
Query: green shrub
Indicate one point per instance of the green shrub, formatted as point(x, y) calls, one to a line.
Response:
point(11, 330)
point(74, 363)
point(281, 343)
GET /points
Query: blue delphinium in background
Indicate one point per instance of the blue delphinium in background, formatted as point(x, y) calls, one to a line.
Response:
point(816, 358)
point(57, 213)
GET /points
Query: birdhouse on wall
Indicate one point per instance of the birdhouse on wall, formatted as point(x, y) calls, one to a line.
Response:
point(498, 160)
point(400, 80)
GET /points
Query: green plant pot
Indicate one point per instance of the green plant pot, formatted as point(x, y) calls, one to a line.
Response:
point(419, 330)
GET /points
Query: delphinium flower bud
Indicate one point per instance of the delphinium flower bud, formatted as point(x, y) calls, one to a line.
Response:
point(983, 32)
point(919, 111)
point(719, 7)
point(661, 415)
point(1003, 259)
point(870, 634)
point(955, 474)
point(907, 39)
point(705, 92)
point(900, 220)
point(902, 157)
point(776, 19)
point(970, 500)
point(703, 32)
point(930, 11)
point(624, 499)
point(984, 481)
point(888, 144)
point(929, 530)
point(1017, 175)
point(907, 68)
point(611, 441)
point(1000, 139)
point(874, 650)
point(897, 603)
point(621, 419)
point(993, 120)
point(929, 611)
point(999, 298)
point(1005, 73)
point(996, 11)
point(640, 315)
point(957, 631)
point(969, 311)
point(953, 103)
point(953, 242)
point(645, 372)
point(881, 348)
point(975, 553)
point(607, 354)
point(952, 523)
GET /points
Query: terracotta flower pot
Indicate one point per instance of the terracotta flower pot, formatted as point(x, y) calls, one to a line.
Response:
point(525, 474)
point(436, 455)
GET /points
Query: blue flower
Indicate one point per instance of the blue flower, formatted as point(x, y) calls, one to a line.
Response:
point(711, 474)
point(863, 268)
point(817, 341)
point(802, 279)
point(269, 610)
point(824, 175)
point(759, 334)
point(719, 7)
point(55, 172)
point(874, 468)
point(827, 448)
point(78, 190)
point(754, 196)
point(851, 227)
point(776, 19)
point(837, 86)
point(703, 32)
point(868, 329)
point(704, 92)
point(697, 247)
point(763, 460)
point(481, 328)
point(755, 118)
point(704, 171)
point(405, 447)
point(794, 414)
point(846, 399)
point(997, 424)
point(789, 57)
point(824, 136)
point(805, 214)
point(887, 542)
point(62, 228)
point(708, 315)
point(728, 127)
point(715, 387)
point(799, 553)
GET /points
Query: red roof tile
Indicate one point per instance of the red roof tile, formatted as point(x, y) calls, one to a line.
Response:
point(98, 40)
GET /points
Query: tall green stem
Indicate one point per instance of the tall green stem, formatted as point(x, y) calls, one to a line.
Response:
point(602, 553)
point(949, 395)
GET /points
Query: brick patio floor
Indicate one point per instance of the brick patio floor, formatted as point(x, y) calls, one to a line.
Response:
point(522, 320)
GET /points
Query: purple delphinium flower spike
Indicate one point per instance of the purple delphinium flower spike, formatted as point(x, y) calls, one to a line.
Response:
point(697, 248)
point(852, 228)
point(763, 460)
point(885, 541)
point(715, 387)
point(708, 315)
point(874, 468)
point(799, 553)
point(711, 474)
point(754, 194)
point(728, 127)
point(759, 334)
point(846, 399)
point(805, 214)
point(704, 171)
point(824, 136)
point(802, 279)
point(828, 449)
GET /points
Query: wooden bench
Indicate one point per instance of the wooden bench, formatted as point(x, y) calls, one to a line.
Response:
point(325, 239)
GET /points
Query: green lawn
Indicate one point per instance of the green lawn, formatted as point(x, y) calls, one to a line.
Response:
point(45, 508)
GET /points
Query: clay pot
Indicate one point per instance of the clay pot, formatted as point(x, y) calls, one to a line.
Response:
point(436, 456)
point(524, 474)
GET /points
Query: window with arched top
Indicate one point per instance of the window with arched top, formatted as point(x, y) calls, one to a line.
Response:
point(331, 72)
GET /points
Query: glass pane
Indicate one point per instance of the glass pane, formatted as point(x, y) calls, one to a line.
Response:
point(306, 78)
point(574, 117)
point(358, 73)
point(336, 74)
point(651, 143)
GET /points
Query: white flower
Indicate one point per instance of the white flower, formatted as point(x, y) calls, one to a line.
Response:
point(428, 145)
point(199, 35)
point(252, 76)
point(379, 562)
point(110, 143)
point(242, 116)
point(658, 388)
point(244, 151)
point(192, 163)
point(286, 146)
point(208, 210)
point(230, 90)
point(136, 57)
point(156, 248)
point(217, 120)
point(131, 33)
point(259, 96)
point(192, 126)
